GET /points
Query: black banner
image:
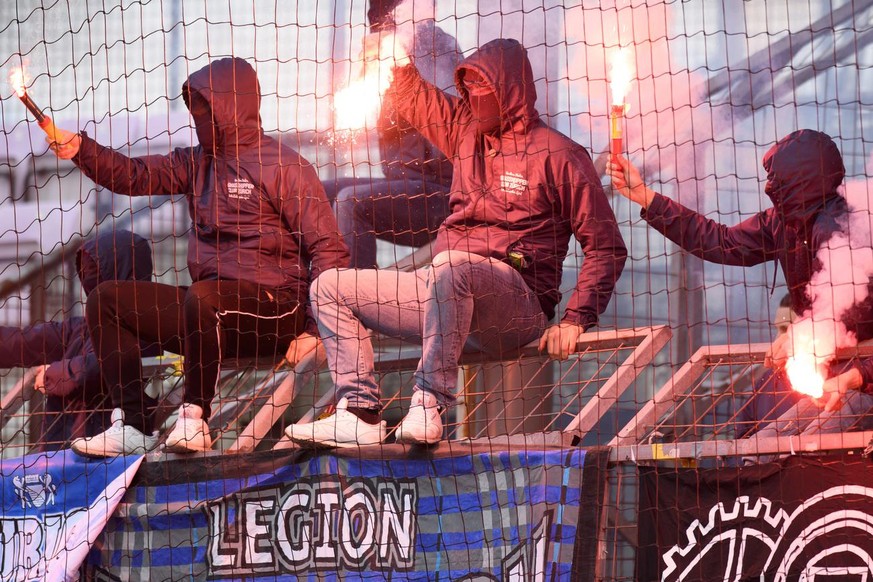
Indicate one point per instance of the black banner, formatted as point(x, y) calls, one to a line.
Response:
point(799, 519)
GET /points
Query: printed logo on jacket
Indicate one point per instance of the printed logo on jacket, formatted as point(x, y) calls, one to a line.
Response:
point(513, 183)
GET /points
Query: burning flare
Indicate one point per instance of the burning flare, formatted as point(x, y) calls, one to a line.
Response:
point(804, 376)
point(357, 106)
point(803, 368)
point(621, 74)
point(18, 79)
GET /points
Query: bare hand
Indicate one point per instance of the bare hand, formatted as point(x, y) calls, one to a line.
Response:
point(67, 145)
point(300, 347)
point(560, 340)
point(777, 356)
point(39, 378)
point(627, 181)
point(835, 389)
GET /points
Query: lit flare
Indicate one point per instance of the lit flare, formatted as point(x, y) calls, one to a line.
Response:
point(18, 79)
point(621, 75)
point(357, 105)
point(803, 368)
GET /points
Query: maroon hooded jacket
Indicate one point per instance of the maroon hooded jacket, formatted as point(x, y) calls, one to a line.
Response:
point(804, 170)
point(526, 191)
point(258, 209)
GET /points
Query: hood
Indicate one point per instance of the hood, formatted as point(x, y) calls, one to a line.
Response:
point(120, 255)
point(230, 87)
point(503, 63)
point(804, 169)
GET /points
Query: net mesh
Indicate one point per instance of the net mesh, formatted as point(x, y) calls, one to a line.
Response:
point(677, 358)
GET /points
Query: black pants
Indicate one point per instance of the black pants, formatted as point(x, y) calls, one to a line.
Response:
point(205, 322)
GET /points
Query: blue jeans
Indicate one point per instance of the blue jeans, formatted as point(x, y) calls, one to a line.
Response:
point(462, 301)
point(406, 212)
point(807, 418)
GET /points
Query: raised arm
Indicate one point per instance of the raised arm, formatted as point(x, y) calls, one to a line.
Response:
point(434, 113)
point(745, 244)
point(141, 176)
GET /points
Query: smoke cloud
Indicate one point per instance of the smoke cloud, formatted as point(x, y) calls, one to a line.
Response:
point(842, 282)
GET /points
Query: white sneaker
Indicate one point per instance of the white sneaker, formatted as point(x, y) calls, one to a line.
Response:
point(342, 429)
point(118, 440)
point(190, 434)
point(422, 424)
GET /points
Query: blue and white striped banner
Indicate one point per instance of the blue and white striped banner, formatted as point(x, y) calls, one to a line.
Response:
point(54, 507)
point(481, 510)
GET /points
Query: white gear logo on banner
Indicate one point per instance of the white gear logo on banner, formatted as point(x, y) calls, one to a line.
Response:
point(814, 541)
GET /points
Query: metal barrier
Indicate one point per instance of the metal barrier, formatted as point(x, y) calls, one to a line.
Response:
point(277, 393)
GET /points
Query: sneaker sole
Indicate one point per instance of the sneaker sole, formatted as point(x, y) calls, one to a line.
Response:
point(327, 445)
point(179, 448)
point(108, 456)
point(410, 440)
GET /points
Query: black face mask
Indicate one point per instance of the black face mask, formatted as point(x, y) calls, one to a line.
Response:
point(89, 273)
point(486, 112)
point(204, 122)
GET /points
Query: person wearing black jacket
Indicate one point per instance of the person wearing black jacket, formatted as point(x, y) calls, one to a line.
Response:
point(68, 372)
point(804, 171)
point(261, 230)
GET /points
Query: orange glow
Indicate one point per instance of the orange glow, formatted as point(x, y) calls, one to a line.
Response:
point(18, 79)
point(804, 376)
point(357, 106)
point(621, 74)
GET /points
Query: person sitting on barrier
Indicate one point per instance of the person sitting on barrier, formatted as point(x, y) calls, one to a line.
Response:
point(67, 371)
point(521, 190)
point(408, 205)
point(771, 393)
point(261, 228)
point(804, 171)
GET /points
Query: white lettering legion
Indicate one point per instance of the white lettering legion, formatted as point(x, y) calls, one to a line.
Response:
point(366, 524)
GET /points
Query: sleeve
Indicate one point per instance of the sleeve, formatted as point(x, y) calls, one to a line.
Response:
point(748, 243)
point(46, 343)
point(594, 226)
point(31, 346)
point(142, 176)
point(865, 366)
point(430, 111)
point(320, 239)
point(66, 376)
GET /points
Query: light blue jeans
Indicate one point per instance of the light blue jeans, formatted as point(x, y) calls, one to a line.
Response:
point(462, 301)
point(807, 418)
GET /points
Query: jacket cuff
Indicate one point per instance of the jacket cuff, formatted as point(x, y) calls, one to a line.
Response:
point(404, 80)
point(866, 375)
point(656, 209)
point(586, 320)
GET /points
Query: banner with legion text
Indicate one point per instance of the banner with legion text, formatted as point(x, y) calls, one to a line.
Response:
point(521, 509)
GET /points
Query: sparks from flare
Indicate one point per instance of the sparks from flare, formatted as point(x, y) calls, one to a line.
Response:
point(621, 75)
point(18, 79)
